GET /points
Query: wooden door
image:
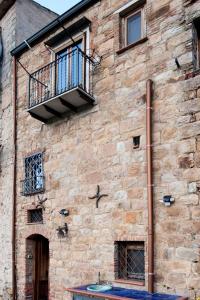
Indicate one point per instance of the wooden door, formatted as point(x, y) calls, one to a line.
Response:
point(37, 268)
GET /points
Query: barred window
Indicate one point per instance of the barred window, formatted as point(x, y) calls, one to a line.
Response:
point(35, 215)
point(129, 261)
point(34, 175)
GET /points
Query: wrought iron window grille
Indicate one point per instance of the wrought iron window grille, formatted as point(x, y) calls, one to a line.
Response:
point(35, 216)
point(129, 261)
point(34, 175)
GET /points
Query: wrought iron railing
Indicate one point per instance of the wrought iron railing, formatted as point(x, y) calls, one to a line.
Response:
point(65, 73)
point(33, 185)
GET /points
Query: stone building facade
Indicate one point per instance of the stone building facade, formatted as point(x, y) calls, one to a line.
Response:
point(105, 144)
point(18, 20)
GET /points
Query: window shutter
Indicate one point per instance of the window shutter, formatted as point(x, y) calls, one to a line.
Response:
point(195, 46)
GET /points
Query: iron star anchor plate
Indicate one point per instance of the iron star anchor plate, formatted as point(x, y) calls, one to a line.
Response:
point(98, 196)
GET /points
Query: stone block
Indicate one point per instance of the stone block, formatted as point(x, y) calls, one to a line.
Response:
point(192, 187)
point(187, 254)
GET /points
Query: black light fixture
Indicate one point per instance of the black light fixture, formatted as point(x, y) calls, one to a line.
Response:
point(168, 200)
point(62, 231)
point(64, 212)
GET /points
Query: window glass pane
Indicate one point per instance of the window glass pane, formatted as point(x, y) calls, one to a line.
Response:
point(69, 68)
point(34, 175)
point(76, 65)
point(135, 264)
point(63, 71)
point(134, 30)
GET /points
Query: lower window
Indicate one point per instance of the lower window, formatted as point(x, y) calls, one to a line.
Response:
point(129, 261)
point(35, 216)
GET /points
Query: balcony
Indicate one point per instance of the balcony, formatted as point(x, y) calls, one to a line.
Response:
point(63, 86)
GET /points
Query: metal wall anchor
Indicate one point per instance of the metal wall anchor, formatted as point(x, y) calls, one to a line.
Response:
point(98, 196)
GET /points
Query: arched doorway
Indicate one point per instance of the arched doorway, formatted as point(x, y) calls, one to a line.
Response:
point(37, 267)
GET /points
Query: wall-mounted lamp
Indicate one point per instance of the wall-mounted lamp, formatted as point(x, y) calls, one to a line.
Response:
point(62, 231)
point(64, 212)
point(168, 200)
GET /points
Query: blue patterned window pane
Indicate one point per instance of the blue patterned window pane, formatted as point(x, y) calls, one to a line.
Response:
point(134, 28)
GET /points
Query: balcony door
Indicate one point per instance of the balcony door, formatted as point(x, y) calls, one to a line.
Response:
point(69, 68)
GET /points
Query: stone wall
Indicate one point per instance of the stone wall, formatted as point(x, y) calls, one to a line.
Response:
point(95, 147)
point(8, 29)
point(17, 24)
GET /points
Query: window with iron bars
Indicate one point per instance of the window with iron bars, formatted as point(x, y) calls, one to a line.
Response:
point(129, 261)
point(35, 215)
point(34, 175)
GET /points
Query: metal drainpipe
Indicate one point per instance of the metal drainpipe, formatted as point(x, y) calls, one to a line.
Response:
point(150, 186)
point(14, 178)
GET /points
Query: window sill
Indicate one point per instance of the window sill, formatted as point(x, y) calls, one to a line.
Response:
point(36, 223)
point(192, 74)
point(120, 51)
point(138, 283)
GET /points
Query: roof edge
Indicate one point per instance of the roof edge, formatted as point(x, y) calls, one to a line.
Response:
point(75, 10)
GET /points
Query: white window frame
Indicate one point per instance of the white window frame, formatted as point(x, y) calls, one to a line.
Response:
point(141, 10)
point(85, 37)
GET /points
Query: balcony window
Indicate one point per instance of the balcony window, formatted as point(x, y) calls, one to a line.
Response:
point(34, 175)
point(69, 68)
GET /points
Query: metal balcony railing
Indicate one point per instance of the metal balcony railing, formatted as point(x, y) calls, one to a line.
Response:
point(60, 76)
point(32, 185)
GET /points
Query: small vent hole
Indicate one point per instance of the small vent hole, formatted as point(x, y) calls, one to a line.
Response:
point(136, 142)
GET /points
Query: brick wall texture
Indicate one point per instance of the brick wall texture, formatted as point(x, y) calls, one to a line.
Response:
point(95, 147)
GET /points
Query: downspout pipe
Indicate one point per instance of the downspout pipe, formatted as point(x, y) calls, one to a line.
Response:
point(14, 179)
point(150, 242)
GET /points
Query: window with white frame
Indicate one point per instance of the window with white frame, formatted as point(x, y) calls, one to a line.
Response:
point(132, 18)
point(133, 27)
